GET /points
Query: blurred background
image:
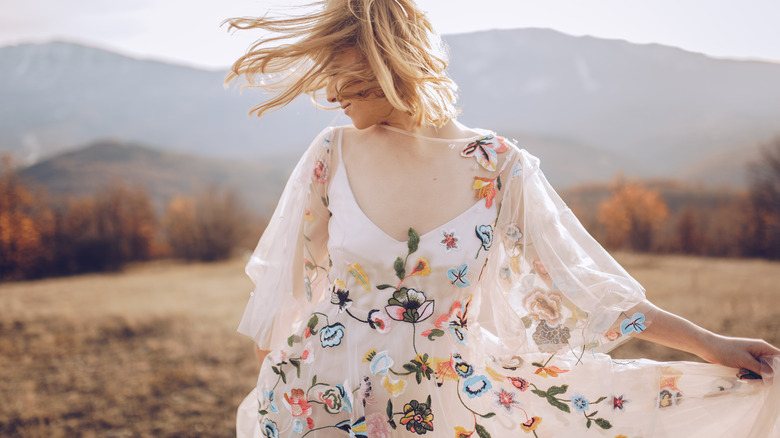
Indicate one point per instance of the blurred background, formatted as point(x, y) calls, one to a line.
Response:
point(133, 184)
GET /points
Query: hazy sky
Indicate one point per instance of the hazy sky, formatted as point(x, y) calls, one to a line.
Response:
point(188, 31)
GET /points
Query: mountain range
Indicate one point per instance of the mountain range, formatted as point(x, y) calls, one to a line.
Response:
point(588, 107)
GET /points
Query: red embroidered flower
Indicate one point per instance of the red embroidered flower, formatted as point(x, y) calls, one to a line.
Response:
point(321, 172)
point(449, 241)
point(310, 423)
point(519, 383)
point(298, 403)
point(618, 402)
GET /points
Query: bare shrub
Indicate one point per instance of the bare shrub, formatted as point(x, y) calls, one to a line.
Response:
point(762, 233)
point(206, 226)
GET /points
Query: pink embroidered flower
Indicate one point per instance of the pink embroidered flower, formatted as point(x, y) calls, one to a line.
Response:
point(519, 383)
point(541, 270)
point(321, 172)
point(377, 426)
point(612, 335)
point(298, 403)
point(310, 423)
point(307, 356)
point(450, 241)
point(505, 399)
point(379, 321)
point(544, 306)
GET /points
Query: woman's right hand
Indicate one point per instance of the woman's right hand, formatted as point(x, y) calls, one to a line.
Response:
point(260, 354)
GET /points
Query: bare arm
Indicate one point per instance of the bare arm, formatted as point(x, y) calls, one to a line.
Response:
point(673, 331)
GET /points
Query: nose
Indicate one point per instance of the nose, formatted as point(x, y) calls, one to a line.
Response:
point(330, 91)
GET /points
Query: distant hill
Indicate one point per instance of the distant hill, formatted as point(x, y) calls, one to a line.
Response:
point(588, 107)
point(163, 174)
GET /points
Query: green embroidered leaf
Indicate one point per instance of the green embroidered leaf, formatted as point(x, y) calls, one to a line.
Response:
point(540, 393)
point(588, 423)
point(602, 423)
point(558, 404)
point(400, 271)
point(384, 286)
point(489, 415)
point(528, 322)
point(275, 369)
point(591, 414)
point(392, 424)
point(290, 340)
point(390, 409)
point(498, 182)
point(297, 364)
point(314, 380)
point(537, 364)
point(435, 333)
point(313, 322)
point(482, 432)
point(263, 412)
point(555, 390)
point(414, 240)
point(284, 376)
point(428, 401)
point(601, 399)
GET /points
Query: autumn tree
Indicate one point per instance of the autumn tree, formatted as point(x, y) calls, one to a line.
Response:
point(206, 226)
point(25, 224)
point(762, 231)
point(632, 215)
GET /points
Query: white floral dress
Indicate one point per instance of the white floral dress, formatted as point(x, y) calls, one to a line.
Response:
point(493, 324)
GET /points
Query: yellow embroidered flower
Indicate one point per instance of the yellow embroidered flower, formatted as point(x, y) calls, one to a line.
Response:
point(369, 355)
point(497, 377)
point(392, 386)
point(357, 271)
point(531, 425)
point(422, 267)
point(486, 189)
point(461, 432)
point(307, 216)
point(444, 369)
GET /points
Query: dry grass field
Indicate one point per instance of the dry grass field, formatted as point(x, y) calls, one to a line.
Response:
point(153, 352)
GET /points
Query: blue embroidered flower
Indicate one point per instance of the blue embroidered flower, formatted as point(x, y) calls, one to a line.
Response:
point(297, 426)
point(579, 403)
point(485, 234)
point(330, 336)
point(269, 429)
point(380, 363)
point(269, 396)
point(462, 367)
point(358, 429)
point(633, 324)
point(475, 386)
point(458, 276)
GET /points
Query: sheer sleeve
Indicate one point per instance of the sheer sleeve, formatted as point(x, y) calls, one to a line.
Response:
point(289, 265)
point(556, 289)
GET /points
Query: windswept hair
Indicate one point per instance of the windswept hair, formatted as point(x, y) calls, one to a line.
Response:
point(403, 58)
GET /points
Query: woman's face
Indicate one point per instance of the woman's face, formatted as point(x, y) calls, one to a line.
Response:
point(364, 111)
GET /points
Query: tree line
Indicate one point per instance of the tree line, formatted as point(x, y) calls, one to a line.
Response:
point(41, 236)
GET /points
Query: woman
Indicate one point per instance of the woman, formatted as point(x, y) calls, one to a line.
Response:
point(422, 278)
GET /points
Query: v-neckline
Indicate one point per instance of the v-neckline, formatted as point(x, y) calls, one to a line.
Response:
point(342, 169)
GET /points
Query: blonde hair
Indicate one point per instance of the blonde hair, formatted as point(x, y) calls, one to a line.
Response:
point(403, 59)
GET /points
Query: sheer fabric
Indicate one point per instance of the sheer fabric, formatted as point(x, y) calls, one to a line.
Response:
point(492, 324)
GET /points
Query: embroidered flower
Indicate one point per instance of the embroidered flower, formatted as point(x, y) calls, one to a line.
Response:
point(517, 170)
point(422, 267)
point(421, 367)
point(392, 386)
point(339, 295)
point(310, 423)
point(330, 336)
point(444, 368)
point(462, 367)
point(461, 432)
point(669, 398)
point(297, 426)
point(269, 397)
point(550, 339)
point(378, 427)
point(513, 233)
point(269, 429)
point(487, 188)
point(618, 403)
point(458, 275)
point(531, 425)
point(579, 403)
point(332, 399)
point(485, 150)
point(321, 172)
point(297, 403)
point(307, 355)
point(611, 335)
point(409, 305)
point(544, 306)
point(450, 241)
point(551, 371)
point(380, 363)
point(360, 275)
point(417, 418)
point(476, 386)
point(456, 321)
point(505, 399)
point(358, 429)
point(485, 234)
point(379, 321)
point(541, 271)
point(519, 383)
point(366, 391)
point(633, 324)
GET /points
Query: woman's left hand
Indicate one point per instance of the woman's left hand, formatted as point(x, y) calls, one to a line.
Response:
point(740, 353)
